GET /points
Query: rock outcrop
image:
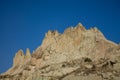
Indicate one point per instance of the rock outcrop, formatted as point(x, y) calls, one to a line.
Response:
point(19, 58)
point(28, 55)
point(19, 61)
point(77, 54)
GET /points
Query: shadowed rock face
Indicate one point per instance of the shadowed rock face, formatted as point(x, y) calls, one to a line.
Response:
point(74, 55)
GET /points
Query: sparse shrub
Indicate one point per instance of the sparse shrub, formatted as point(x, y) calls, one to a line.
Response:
point(63, 65)
point(87, 59)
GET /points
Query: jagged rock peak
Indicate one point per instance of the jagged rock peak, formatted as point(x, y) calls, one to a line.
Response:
point(28, 55)
point(78, 27)
point(81, 27)
point(52, 33)
point(20, 53)
point(55, 33)
point(19, 58)
point(76, 54)
point(95, 29)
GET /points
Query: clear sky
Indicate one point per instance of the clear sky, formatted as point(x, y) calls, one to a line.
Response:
point(23, 23)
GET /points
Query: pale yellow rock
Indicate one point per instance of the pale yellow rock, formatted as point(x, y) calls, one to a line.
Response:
point(61, 55)
point(28, 55)
point(19, 58)
point(81, 27)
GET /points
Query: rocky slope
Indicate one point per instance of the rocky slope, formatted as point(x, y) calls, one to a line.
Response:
point(77, 54)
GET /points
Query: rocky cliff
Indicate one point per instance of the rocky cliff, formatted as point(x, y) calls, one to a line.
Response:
point(77, 54)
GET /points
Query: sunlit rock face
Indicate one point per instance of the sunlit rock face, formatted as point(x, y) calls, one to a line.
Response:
point(20, 58)
point(77, 54)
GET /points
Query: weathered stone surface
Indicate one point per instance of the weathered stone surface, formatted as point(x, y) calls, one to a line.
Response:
point(76, 54)
point(19, 58)
point(28, 55)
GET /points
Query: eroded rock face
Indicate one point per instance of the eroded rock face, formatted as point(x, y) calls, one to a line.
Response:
point(28, 55)
point(76, 54)
point(19, 58)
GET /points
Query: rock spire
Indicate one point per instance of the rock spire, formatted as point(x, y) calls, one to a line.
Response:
point(75, 54)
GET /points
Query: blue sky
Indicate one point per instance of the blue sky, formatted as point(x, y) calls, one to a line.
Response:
point(23, 23)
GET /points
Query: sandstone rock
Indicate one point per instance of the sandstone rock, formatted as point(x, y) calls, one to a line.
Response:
point(61, 56)
point(28, 55)
point(19, 58)
point(81, 27)
point(89, 66)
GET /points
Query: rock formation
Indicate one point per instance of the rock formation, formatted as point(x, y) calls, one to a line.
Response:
point(19, 58)
point(28, 55)
point(77, 54)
